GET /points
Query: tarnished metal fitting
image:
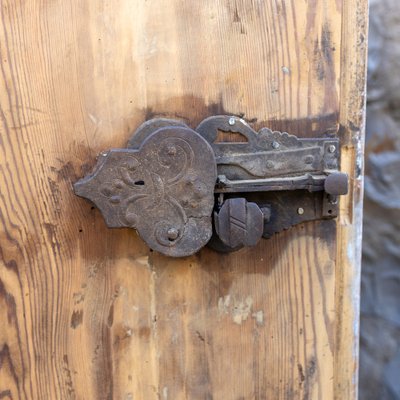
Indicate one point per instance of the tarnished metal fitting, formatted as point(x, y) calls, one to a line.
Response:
point(239, 223)
point(164, 189)
point(171, 179)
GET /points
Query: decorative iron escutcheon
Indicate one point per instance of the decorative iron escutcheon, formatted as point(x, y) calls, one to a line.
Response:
point(180, 187)
point(164, 188)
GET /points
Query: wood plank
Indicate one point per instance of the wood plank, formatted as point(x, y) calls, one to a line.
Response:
point(349, 233)
point(91, 313)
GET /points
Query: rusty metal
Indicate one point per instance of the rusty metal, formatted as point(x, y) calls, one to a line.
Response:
point(277, 171)
point(336, 184)
point(164, 189)
point(239, 223)
point(266, 154)
point(171, 179)
point(148, 128)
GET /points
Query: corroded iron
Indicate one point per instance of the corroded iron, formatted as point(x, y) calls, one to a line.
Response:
point(164, 189)
point(267, 153)
point(277, 171)
point(170, 180)
point(239, 223)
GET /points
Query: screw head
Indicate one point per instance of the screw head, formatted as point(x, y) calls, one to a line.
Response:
point(171, 150)
point(300, 211)
point(131, 218)
point(308, 159)
point(269, 164)
point(275, 145)
point(232, 121)
point(172, 233)
point(332, 148)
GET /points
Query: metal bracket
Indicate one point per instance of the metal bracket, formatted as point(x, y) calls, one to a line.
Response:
point(176, 186)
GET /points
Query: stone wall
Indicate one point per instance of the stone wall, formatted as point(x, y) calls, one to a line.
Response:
point(380, 302)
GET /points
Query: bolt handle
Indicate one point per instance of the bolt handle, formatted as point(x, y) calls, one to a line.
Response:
point(239, 223)
point(337, 184)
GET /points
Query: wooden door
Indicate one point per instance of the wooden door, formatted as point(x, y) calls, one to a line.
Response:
point(90, 313)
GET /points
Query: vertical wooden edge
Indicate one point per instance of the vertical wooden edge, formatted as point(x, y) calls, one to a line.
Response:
point(349, 233)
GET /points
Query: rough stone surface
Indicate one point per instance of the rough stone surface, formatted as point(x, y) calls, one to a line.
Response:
point(380, 290)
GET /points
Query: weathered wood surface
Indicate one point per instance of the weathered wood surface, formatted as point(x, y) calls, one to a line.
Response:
point(89, 313)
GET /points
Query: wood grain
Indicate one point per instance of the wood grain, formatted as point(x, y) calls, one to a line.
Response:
point(90, 313)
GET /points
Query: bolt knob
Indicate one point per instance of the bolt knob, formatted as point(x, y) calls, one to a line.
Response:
point(337, 184)
point(239, 223)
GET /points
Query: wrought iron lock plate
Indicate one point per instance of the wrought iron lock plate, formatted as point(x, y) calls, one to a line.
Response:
point(164, 188)
point(180, 187)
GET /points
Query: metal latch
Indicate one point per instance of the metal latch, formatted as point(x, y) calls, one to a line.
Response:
point(182, 188)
